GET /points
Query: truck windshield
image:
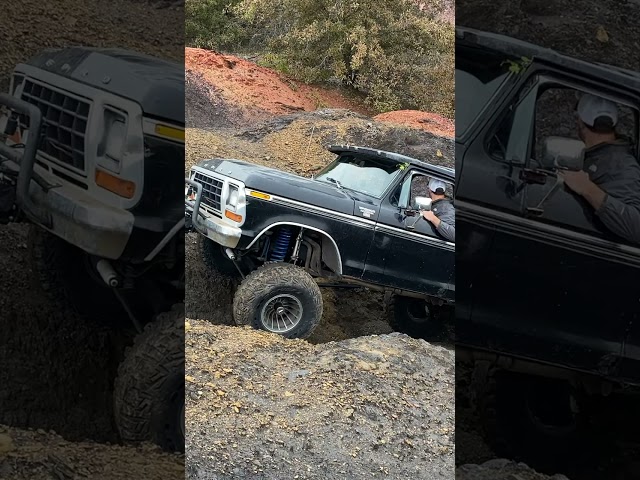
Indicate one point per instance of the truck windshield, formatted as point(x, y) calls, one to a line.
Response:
point(363, 175)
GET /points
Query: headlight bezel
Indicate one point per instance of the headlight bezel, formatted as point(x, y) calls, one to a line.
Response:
point(112, 149)
point(233, 197)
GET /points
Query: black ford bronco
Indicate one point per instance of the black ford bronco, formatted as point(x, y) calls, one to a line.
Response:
point(91, 142)
point(549, 307)
point(357, 222)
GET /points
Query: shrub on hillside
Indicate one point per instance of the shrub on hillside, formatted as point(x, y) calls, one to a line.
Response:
point(213, 24)
point(399, 54)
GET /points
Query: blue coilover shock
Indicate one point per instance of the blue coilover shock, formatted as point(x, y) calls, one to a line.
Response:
point(281, 245)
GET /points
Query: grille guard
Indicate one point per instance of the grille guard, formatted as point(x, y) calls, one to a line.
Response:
point(225, 235)
point(194, 206)
point(25, 158)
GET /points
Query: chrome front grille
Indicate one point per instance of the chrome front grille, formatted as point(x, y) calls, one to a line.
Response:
point(211, 191)
point(64, 123)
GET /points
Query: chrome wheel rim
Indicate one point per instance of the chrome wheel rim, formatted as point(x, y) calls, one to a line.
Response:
point(281, 313)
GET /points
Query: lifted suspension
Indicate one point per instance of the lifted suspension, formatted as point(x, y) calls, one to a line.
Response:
point(281, 244)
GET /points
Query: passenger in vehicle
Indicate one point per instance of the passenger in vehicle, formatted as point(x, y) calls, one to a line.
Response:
point(610, 180)
point(442, 214)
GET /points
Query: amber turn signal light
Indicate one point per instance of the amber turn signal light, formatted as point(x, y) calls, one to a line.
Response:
point(233, 216)
point(264, 196)
point(119, 186)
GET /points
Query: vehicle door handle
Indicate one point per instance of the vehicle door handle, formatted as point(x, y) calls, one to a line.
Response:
point(533, 177)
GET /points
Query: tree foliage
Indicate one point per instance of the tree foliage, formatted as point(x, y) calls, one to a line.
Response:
point(213, 24)
point(399, 54)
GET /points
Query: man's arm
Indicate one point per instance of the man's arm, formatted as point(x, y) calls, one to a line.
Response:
point(445, 225)
point(619, 217)
point(447, 230)
point(594, 195)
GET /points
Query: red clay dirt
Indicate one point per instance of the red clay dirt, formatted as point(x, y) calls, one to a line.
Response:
point(260, 91)
point(430, 122)
point(248, 85)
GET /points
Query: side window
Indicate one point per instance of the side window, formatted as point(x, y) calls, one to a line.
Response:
point(420, 188)
point(544, 109)
point(415, 185)
point(556, 115)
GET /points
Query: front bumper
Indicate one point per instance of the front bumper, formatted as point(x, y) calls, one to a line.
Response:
point(69, 213)
point(209, 225)
point(96, 228)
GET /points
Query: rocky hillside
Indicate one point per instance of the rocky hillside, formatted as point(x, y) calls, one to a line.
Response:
point(262, 407)
point(41, 455)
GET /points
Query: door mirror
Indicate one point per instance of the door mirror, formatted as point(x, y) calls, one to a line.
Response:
point(423, 203)
point(564, 153)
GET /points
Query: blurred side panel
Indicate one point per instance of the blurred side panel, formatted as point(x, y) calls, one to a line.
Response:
point(548, 256)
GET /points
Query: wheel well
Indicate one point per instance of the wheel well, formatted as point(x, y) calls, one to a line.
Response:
point(313, 237)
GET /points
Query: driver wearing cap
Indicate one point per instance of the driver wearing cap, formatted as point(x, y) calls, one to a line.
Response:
point(610, 181)
point(442, 214)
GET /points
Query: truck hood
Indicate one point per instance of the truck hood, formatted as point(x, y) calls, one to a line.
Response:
point(287, 185)
point(157, 85)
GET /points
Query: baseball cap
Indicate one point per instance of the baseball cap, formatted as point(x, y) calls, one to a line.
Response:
point(437, 186)
point(591, 108)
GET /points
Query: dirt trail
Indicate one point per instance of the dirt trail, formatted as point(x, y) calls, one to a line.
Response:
point(502, 469)
point(40, 455)
point(263, 407)
point(261, 89)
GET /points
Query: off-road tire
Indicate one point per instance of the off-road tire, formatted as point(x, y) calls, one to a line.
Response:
point(149, 389)
point(501, 405)
point(217, 262)
point(61, 272)
point(398, 310)
point(276, 279)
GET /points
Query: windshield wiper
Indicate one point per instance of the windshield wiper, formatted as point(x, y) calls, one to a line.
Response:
point(338, 184)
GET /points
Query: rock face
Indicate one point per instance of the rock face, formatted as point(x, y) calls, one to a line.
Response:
point(260, 406)
point(501, 469)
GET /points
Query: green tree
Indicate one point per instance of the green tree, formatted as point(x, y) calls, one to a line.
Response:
point(213, 24)
point(397, 53)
